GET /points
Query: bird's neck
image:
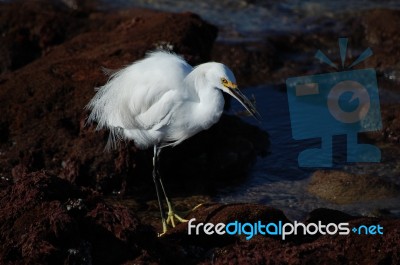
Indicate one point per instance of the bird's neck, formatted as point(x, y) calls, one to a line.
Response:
point(210, 104)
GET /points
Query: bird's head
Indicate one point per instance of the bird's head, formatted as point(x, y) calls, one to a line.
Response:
point(223, 78)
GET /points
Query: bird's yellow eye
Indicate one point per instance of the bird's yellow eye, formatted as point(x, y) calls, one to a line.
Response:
point(228, 84)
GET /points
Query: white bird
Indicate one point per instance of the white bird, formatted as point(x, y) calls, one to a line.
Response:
point(160, 101)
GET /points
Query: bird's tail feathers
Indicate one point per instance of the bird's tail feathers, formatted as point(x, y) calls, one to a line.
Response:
point(114, 139)
point(109, 71)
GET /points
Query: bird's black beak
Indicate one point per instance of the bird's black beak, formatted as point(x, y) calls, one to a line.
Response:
point(236, 93)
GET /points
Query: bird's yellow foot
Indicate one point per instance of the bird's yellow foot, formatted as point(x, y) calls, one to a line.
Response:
point(172, 215)
point(164, 226)
point(196, 207)
point(172, 218)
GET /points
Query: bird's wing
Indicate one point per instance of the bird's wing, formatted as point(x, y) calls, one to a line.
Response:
point(155, 114)
point(140, 95)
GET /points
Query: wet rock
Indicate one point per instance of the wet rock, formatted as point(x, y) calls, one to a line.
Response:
point(198, 247)
point(70, 170)
point(47, 220)
point(383, 36)
point(251, 62)
point(344, 188)
point(226, 213)
point(391, 120)
point(324, 250)
point(319, 249)
point(328, 216)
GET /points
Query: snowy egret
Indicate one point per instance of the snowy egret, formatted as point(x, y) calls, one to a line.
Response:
point(160, 101)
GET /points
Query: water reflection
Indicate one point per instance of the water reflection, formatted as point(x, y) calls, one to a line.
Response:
point(277, 179)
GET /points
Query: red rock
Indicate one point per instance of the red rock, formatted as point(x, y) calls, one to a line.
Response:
point(320, 249)
point(48, 220)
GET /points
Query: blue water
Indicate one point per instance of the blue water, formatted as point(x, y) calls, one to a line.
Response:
point(277, 179)
point(241, 19)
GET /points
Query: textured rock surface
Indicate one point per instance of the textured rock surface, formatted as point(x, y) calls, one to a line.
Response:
point(45, 219)
point(317, 249)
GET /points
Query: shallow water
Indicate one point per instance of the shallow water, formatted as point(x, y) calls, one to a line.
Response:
point(277, 179)
point(245, 19)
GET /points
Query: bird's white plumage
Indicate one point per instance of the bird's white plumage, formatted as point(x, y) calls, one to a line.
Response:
point(160, 100)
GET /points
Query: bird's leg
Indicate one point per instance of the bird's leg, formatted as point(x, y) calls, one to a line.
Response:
point(155, 179)
point(171, 213)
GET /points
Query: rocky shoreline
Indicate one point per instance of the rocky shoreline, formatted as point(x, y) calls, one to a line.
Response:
point(48, 220)
point(64, 201)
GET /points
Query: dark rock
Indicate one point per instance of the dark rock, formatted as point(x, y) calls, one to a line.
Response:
point(328, 216)
point(29, 29)
point(48, 220)
point(390, 114)
point(220, 156)
point(383, 36)
point(320, 249)
point(252, 63)
point(198, 247)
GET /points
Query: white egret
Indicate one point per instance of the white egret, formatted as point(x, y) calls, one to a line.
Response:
point(160, 101)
